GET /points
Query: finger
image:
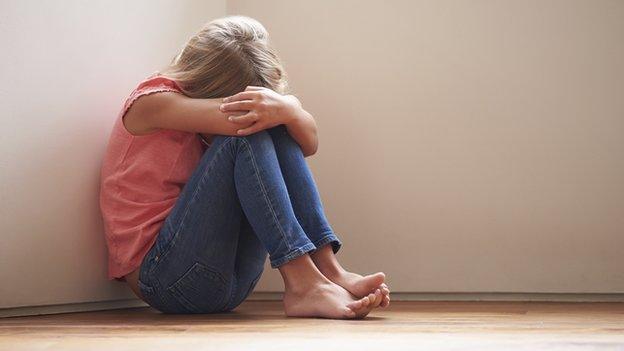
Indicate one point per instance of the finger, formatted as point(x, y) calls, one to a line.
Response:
point(246, 118)
point(245, 95)
point(237, 113)
point(238, 105)
point(253, 88)
point(256, 127)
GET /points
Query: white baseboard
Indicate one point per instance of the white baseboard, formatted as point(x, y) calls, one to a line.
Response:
point(277, 296)
point(70, 307)
point(410, 296)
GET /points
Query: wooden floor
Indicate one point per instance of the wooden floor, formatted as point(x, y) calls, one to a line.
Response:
point(261, 325)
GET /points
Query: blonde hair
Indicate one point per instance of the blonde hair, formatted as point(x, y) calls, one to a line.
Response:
point(226, 56)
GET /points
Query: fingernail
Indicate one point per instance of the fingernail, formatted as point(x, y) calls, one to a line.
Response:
point(225, 100)
point(239, 132)
point(231, 118)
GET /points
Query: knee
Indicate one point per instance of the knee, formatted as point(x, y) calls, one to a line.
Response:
point(258, 141)
point(260, 136)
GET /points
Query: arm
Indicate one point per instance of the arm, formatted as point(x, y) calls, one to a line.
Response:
point(302, 127)
point(268, 109)
point(169, 110)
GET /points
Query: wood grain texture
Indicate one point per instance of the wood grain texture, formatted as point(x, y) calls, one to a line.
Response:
point(261, 325)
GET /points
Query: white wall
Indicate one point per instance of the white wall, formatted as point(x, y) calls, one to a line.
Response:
point(66, 67)
point(483, 144)
point(465, 146)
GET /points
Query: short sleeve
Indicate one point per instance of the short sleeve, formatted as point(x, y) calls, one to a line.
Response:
point(150, 86)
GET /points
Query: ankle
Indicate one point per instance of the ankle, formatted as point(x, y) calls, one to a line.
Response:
point(301, 275)
point(327, 262)
point(332, 272)
point(302, 288)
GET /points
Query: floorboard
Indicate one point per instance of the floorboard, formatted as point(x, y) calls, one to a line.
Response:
point(261, 325)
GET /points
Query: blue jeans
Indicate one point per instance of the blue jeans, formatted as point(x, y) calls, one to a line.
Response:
point(249, 196)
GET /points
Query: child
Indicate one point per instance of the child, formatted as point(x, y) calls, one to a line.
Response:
point(205, 173)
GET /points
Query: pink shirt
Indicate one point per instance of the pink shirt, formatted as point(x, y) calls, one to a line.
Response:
point(141, 178)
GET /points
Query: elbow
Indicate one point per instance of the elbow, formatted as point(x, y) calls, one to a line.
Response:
point(310, 150)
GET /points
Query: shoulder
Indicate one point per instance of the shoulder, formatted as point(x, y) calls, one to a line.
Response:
point(148, 104)
point(149, 97)
point(157, 81)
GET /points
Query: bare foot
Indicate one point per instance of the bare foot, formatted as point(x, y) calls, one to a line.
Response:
point(329, 300)
point(356, 284)
point(385, 302)
point(359, 285)
point(309, 293)
point(375, 300)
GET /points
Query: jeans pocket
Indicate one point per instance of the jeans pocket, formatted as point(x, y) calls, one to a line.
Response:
point(201, 289)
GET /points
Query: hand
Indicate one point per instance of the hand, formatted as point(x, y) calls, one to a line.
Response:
point(262, 107)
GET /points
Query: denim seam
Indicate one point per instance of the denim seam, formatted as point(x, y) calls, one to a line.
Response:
point(188, 205)
point(233, 292)
point(265, 193)
point(300, 251)
point(327, 237)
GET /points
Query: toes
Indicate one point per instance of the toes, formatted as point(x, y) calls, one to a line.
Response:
point(378, 278)
point(367, 308)
point(378, 298)
point(368, 303)
point(355, 305)
point(349, 313)
point(385, 291)
point(372, 298)
point(365, 301)
point(372, 281)
point(385, 301)
point(359, 308)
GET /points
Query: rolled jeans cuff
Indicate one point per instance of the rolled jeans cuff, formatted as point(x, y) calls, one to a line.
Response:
point(300, 251)
point(327, 239)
